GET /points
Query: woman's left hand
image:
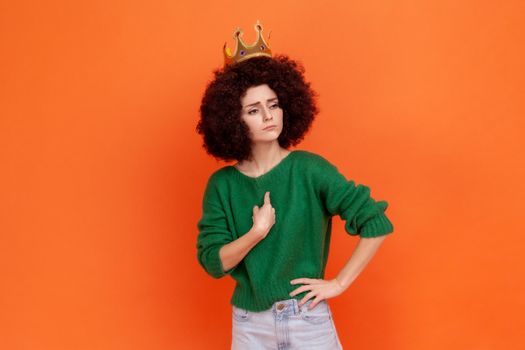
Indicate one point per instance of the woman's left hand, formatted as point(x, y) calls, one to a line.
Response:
point(321, 289)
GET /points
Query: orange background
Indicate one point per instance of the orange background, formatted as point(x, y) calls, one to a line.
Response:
point(103, 173)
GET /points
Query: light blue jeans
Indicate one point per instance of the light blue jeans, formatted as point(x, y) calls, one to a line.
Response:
point(285, 326)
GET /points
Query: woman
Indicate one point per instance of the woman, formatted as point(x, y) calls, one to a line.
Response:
point(266, 220)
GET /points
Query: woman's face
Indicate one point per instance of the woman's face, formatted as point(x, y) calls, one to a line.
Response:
point(260, 109)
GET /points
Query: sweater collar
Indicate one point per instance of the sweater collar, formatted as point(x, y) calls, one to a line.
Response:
point(267, 177)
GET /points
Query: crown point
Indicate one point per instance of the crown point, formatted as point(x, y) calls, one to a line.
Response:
point(237, 33)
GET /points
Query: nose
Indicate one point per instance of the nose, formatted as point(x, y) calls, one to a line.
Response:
point(267, 115)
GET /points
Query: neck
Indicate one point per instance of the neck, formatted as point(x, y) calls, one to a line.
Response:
point(264, 157)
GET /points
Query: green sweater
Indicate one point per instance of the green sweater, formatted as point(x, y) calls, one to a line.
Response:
point(306, 190)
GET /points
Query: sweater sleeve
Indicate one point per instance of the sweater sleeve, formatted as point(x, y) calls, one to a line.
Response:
point(362, 214)
point(213, 234)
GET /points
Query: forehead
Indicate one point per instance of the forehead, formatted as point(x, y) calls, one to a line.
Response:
point(257, 94)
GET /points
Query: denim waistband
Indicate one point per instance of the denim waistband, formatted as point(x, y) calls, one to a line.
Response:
point(291, 306)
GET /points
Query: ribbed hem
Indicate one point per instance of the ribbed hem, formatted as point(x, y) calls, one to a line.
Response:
point(378, 226)
point(270, 176)
point(243, 297)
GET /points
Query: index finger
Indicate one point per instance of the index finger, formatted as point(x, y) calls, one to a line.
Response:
point(267, 197)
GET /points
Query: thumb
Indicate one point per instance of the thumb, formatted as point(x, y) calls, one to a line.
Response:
point(255, 209)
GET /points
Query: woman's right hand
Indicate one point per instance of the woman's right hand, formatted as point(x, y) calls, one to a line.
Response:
point(264, 217)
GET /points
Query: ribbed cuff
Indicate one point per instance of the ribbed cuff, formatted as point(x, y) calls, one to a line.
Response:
point(378, 226)
point(215, 268)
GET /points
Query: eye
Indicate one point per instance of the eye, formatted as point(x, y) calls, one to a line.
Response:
point(275, 105)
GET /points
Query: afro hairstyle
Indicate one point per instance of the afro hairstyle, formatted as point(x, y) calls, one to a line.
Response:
point(225, 134)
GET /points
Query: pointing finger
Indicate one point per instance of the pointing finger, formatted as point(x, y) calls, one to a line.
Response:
point(267, 198)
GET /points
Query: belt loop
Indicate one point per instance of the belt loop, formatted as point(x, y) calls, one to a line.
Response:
point(295, 306)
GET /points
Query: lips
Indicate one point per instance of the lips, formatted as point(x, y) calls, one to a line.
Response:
point(270, 127)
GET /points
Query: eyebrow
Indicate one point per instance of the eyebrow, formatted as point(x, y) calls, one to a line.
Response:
point(252, 104)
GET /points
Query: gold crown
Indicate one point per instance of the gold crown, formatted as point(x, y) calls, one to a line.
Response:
point(243, 51)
